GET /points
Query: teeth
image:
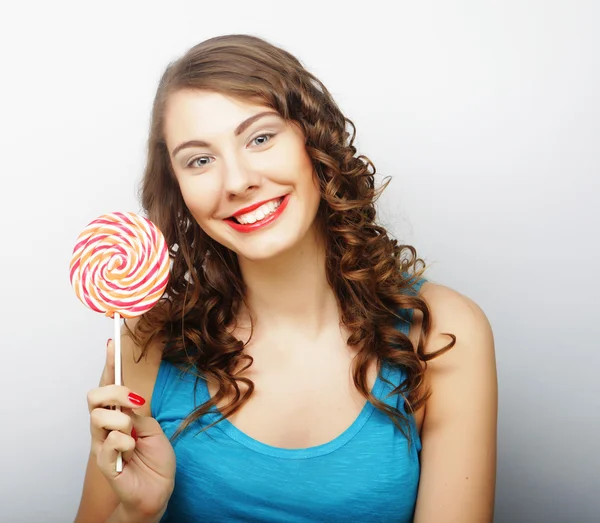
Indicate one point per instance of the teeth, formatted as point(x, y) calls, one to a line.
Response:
point(260, 213)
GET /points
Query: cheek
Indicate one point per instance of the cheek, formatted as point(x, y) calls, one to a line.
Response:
point(299, 166)
point(311, 180)
point(199, 198)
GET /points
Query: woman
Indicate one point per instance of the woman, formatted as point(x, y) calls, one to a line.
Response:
point(299, 367)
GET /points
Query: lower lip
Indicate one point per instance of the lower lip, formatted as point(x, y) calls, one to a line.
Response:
point(250, 227)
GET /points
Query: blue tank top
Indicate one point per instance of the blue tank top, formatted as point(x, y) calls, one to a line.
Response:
point(368, 473)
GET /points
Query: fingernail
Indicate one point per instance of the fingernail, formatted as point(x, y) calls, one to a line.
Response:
point(108, 341)
point(134, 434)
point(136, 400)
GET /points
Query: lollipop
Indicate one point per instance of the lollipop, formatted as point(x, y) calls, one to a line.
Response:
point(120, 267)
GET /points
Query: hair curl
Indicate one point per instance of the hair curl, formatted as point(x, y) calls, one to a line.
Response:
point(370, 273)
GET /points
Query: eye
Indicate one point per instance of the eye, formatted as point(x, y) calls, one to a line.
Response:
point(266, 136)
point(198, 161)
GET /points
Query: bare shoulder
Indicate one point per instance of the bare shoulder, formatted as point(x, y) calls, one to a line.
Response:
point(473, 354)
point(457, 314)
point(458, 458)
point(140, 372)
point(450, 305)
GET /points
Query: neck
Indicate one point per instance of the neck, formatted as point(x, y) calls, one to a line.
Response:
point(291, 292)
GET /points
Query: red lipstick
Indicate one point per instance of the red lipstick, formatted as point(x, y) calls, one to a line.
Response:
point(250, 227)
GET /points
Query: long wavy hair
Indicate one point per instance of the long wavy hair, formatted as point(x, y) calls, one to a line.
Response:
point(371, 274)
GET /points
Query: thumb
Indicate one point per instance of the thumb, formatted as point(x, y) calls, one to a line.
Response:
point(108, 373)
point(145, 426)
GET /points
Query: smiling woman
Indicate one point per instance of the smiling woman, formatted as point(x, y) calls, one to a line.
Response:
point(241, 177)
point(299, 366)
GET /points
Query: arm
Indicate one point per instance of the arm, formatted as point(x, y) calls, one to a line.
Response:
point(121, 516)
point(458, 458)
point(99, 503)
point(98, 500)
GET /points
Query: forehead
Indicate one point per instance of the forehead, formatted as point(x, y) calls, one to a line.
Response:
point(202, 114)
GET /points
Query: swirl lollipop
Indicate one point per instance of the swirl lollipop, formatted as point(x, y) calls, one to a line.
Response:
point(120, 267)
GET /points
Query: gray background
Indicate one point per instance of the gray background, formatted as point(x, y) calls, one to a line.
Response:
point(486, 115)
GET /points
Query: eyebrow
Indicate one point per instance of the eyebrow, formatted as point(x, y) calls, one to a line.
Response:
point(238, 130)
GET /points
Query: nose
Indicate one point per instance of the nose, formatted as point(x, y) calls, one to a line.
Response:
point(239, 178)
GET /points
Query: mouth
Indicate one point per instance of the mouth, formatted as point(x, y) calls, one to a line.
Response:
point(260, 216)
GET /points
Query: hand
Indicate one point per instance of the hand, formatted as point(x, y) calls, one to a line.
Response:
point(148, 477)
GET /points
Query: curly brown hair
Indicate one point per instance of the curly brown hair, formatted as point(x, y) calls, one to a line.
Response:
point(370, 273)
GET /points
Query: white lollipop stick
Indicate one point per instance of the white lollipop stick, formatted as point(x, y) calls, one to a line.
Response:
point(118, 380)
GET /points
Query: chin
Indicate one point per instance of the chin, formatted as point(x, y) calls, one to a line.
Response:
point(263, 251)
point(268, 244)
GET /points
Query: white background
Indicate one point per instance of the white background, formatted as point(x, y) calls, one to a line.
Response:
point(486, 115)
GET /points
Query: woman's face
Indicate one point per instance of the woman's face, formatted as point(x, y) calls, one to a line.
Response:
point(228, 156)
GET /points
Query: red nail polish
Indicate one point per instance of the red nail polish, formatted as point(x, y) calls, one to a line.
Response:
point(108, 341)
point(134, 434)
point(135, 399)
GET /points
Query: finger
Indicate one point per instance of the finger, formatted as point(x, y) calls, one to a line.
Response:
point(110, 395)
point(106, 457)
point(102, 422)
point(108, 373)
point(145, 426)
point(128, 455)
